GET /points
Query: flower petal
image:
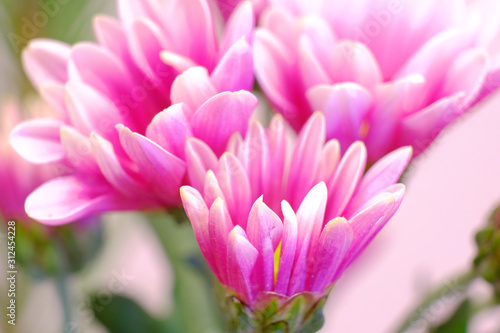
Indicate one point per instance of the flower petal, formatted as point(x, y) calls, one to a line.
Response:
point(306, 158)
point(46, 61)
point(199, 159)
point(288, 249)
point(161, 170)
point(112, 169)
point(38, 140)
point(334, 242)
point(382, 174)
point(78, 150)
point(240, 25)
point(241, 258)
point(235, 70)
point(236, 188)
point(198, 214)
point(310, 218)
point(222, 115)
point(219, 227)
point(264, 230)
point(68, 199)
point(346, 179)
point(170, 129)
point(345, 107)
point(193, 87)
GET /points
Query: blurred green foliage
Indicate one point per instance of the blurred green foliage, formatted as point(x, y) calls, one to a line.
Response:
point(69, 21)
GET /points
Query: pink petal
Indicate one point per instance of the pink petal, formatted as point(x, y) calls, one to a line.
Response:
point(236, 188)
point(373, 217)
point(240, 25)
point(222, 115)
point(212, 189)
point(310, 218)
point(68, 199)
point(100, 69)
point(110, 35)
point(199, 159)
point(160, 169)
point(45, 61)
point(90, 110)
point(346, 179)
point(272, 68)
point(311, 69)
point(235, 144)
point(78, 150)
point(288, 249)
point(395, 100)
point(306, 158)
point(131, 10)
point(421, 128)
point(333, 244)
point(241, 258)
point(193, 87)
point(274, 187)
point(354, 62)
point(38, 140)
point(321, 37)
point(491, 82)
point(382, 174)
point(146, 43)
point(254, 156)
point(219, 227)
point(467, 74)
point(367, 223)
point(226, 7)
point(345, 107)
point(53, 93)
point(178, 62)
point(194, 19)
point(330, 157)
point(198, 214)
point(170, 129)
point(235, 69)
point(264, 230)
point(433, 59)
point(113, 170)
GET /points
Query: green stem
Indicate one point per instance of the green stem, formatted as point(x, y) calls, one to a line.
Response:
point(457, 287)
point(61, 280)
point(195, 309)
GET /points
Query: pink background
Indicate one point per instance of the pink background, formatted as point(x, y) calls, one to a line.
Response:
point(450, 192)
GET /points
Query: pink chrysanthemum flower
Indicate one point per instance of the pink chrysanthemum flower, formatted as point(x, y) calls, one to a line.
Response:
point(278, 217)
point(389, 73)
point(108, 93)
point(17, 176)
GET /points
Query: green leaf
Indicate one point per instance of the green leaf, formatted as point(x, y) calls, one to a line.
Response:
point(458, 321)
point(123, 315)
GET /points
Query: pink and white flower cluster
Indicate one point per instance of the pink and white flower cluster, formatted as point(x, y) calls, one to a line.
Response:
point(285, 216)
point(119, 149)
point(388, 72)
point(162, 103)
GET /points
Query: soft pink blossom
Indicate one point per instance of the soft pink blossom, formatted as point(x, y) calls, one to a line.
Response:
point(17, 176)
point(124, 110)
point(272, 189)
point(389, 73)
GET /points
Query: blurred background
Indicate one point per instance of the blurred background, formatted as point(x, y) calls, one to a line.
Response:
point(451, 190)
